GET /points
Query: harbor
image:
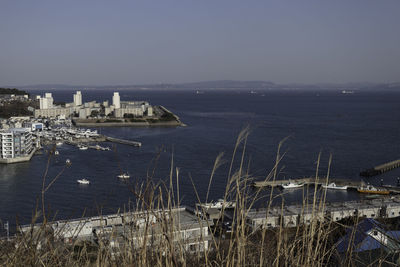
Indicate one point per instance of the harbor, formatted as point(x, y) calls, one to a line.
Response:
point(79, 136)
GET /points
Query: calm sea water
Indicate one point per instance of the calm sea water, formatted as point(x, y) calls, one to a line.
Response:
point(360, 131)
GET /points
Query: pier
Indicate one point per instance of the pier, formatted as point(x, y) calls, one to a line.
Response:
point(311, 181)
point(381, 168)
point(352, 185)
point(124, 142)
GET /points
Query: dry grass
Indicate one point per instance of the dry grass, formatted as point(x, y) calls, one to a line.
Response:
point(304, 245)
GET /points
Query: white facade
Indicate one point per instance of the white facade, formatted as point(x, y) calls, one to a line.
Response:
point(15, 143)
point(7, 145)
point(116, 100)
point(46, 102)
point(78, 98)
point(53, 112)
point(150, 111)
point(135, 111)
point(34, 126)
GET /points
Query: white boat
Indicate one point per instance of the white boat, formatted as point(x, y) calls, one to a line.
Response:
point(124, 176)
point(290, 185)
point(56, 153)
point(59, 143)
point(82, 147)
point(334, 186)
point(217, 204)
point(68, 161)
point(83, 181)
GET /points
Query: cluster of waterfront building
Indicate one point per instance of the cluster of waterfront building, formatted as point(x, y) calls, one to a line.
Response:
point(77, 108)
point(19, 136)
point(193, 228)
point(134, 228)
point(294, 215)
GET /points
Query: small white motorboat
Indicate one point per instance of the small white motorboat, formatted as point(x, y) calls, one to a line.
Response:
point(219, 204)
point(334, 186)
point(56, 153)
point(124, 176)
point(83, 181)
point(82, 147)
point(291, 185)
point(59, 143)
point(68, 161)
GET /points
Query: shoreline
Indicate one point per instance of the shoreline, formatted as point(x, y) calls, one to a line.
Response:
point(129, 124)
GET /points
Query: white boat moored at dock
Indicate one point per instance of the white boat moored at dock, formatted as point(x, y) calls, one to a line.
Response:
point(291, 185)
point(219, 204)
point(334, 186)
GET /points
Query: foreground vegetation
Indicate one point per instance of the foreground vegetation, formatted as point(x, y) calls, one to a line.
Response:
point(311, 245)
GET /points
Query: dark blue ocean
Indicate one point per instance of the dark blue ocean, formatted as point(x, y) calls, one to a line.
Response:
point(359, 130)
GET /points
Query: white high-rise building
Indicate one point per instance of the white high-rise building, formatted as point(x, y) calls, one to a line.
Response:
point(78, 98)
point(116, 100)
point(46, 102)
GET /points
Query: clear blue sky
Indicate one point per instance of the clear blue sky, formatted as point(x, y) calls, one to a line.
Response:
point(82, 42)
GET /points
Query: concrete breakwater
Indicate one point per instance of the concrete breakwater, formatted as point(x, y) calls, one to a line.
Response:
point(352, 185)
point(311, 181)
point(91, 123)
point(103, 138)
point(381, 168)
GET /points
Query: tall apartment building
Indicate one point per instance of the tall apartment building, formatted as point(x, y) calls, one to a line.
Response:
point(15, 143)
point(116, 100)
point(46, 102)
point(78, 98)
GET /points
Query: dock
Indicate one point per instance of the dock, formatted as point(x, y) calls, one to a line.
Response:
point(352, 185)
point(124, 142)
point(381, 168)
point(311, 181)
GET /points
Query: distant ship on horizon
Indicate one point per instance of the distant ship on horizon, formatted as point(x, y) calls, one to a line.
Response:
point(347, 92)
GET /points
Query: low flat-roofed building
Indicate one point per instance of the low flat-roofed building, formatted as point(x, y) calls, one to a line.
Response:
point(307, 213)
point(368, 210)
point(338, 211)
point(393, 210)
point(53, 112)
point(137, 228)
point(263, 218)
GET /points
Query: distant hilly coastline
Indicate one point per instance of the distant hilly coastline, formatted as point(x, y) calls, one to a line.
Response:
point(226, 85)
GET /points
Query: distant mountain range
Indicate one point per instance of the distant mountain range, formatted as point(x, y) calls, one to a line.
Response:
point(227, 85)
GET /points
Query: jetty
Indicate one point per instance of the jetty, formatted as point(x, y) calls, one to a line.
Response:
point(381, 168)
point(311, 181)
point(352, 185)
point(124, 142)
